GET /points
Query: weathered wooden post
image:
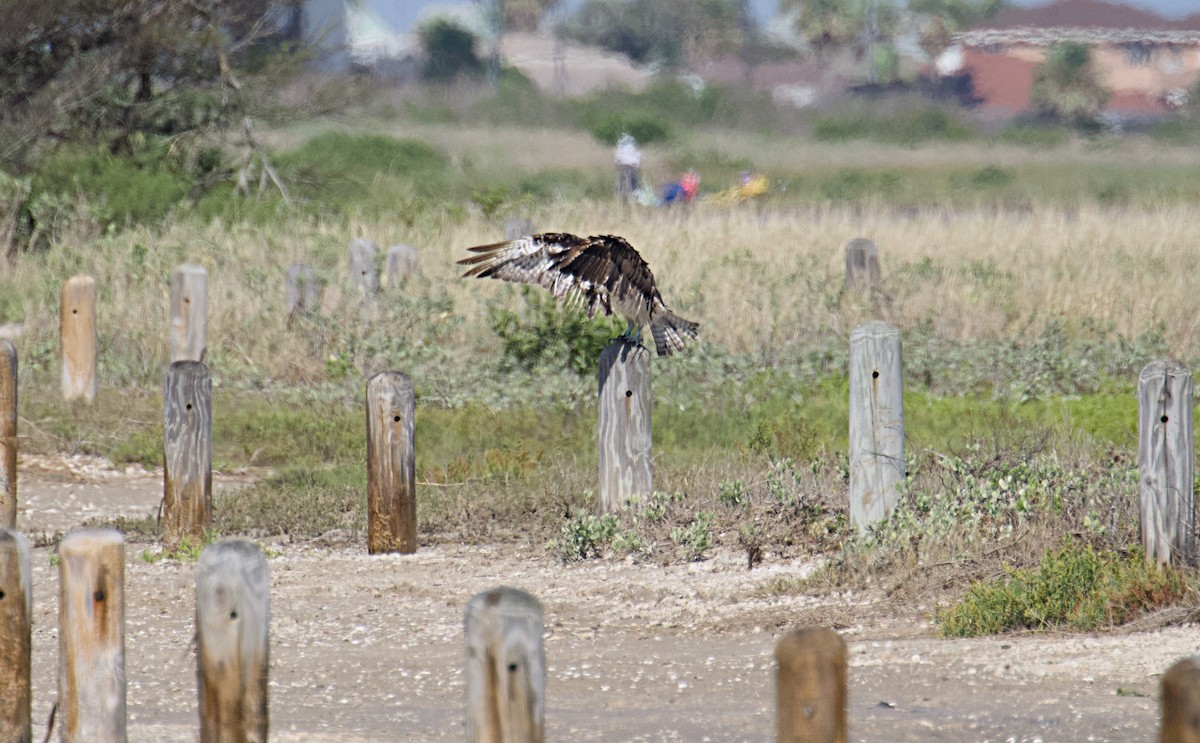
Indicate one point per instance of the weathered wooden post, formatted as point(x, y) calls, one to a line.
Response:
point(877, 464)
point(1180, 694)
point(626, 461)
point(301, 290)
point(862, 264)
point(77, 336)
point(187, 452)
point(517, 227)
point(8, 436)
point(16, 619)
point(362, 266)
point(91, 637)
point(506, 668)
point(189, 313)
point(391, 464)
point(1165, 462)
point(400, 265)
point(232, 617)
point(810, 687)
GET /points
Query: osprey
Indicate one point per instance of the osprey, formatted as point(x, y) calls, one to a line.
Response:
point(603, 272)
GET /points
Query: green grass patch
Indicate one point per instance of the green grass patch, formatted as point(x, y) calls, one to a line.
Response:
point(1076, 587)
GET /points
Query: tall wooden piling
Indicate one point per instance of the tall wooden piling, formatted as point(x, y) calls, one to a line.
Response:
point(877, 466)
point(363, 275)
point(77, 338)
point(301, 290)
point(1165, 462)
point(91, 637)
point(232, 646)
point(506, 668)
point(810, 687)
point(400, 265)
point(16, 620)
point(189, 313)
point(626, 447)
point(862, 264)
point(8, 435)
point(391, 464)
point(187, 452)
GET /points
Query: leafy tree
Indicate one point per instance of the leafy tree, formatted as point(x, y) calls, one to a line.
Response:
point(946, 17)
point(1066, 86)
point(449, 51)
point(670, 32)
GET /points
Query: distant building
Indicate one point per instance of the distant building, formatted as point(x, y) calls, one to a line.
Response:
point(1147, 63)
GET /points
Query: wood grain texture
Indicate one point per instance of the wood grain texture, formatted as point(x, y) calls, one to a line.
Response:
point(91, 637)
point(362, 273)
point(862, 264)
point(77, 338)
point(232, 642)
point(506, 668)
point(1165, 463)
point(877, 465)
point(187, 452)
point(626, 446)
point(391, 464)
point(16, 619)
point(189, 313)
point(400, 265)
point(302, 293)
point(1180, 699)
point(810, 687)
point(8, 436)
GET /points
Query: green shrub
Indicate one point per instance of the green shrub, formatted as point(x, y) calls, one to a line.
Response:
point(909, 126)
point(696, 538)
point(991, 176)
point(1076, 587)
point(449, 51)
point(550, 333)
point(585, 536)
point(645, 127)
point(302, 503)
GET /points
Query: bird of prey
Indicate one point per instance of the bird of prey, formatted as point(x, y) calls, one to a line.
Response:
point(603, 272)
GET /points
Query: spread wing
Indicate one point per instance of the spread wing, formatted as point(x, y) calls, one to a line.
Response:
point(602, 271)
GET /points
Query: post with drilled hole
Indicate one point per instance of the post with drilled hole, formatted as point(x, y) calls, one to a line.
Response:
point(391, 465)
point(77, 337)
point(232, 617)
point(1165, 463)
point(626, 461)
point(91, 637)
point(810, 687)
point(362, 266)
point(189, 313)
point(876, 423)
point(187, 453)
point(506, 668)
point(301, 290)
point(16, 619)
point(1180, 695)
point(862, 264)
point(8, 435)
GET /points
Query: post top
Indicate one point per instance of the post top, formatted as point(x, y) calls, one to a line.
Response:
point(504, 600)
point(1161, 367)
point(874, 329)
point(90, 538)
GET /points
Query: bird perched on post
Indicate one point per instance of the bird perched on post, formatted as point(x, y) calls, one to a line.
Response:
point(604, 272)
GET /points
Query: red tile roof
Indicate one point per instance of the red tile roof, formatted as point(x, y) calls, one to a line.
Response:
point(1092, 14)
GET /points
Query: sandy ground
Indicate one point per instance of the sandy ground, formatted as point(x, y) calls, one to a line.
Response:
point(370, 648)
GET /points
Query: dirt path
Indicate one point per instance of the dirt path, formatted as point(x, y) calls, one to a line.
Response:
point(370, 648)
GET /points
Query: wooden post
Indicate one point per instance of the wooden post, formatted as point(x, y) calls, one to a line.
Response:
point(232, 616)
point(91, 637)
point(877, 464)
point(862, 264)
point(77, 335)
point(400, 266)
point(626, 461)
point(16, 619)
point(391, 465)
point(517, 227)
point(810, 687)
point(506, 668)
point(362, 266)
point(187, 452)
point(189, 313)
point(8, 436)
point(1165, 463)
point(302, 294)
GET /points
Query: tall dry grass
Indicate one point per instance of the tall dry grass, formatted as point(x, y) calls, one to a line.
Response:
point(756, 280)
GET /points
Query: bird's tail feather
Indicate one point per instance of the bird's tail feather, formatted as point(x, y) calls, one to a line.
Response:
point(670, 330)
